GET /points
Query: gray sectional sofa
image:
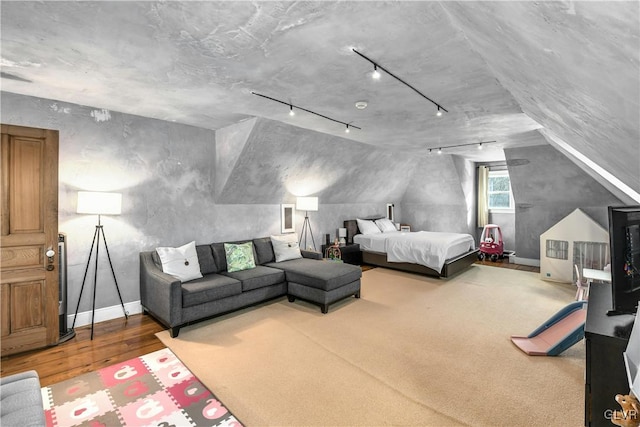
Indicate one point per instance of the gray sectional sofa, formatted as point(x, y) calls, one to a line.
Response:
point(177, 304)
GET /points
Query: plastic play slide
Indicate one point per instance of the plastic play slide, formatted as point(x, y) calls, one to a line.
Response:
point(561, 331)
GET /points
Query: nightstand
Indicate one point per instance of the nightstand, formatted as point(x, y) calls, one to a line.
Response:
point(351, 253)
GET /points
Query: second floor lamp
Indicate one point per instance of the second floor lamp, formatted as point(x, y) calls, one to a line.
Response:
point(307, 204)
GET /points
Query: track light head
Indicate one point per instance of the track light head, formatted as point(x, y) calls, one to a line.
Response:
point(347, 129)
point(480, 146)
point(291, 112)
point(376, 73)
point(439, 150)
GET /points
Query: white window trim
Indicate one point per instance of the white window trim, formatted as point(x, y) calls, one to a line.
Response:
point(512, 202)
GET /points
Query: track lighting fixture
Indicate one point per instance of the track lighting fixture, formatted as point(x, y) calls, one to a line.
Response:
point(479, 144)
point(292, 113)
point(376, 75)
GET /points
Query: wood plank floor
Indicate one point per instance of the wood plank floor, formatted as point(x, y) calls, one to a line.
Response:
point(113, 341)
point(504, 263)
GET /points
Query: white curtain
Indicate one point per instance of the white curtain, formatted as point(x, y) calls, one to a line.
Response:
point(483, 203)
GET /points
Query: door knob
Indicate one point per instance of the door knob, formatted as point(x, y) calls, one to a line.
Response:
point(50, 254)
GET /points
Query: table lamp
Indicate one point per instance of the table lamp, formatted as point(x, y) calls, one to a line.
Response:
point(342, 234)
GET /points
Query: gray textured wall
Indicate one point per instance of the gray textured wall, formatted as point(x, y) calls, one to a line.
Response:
point(546, 188)
point(438, 195)
point(162, 169)
point(279, 162)
point(168, 175)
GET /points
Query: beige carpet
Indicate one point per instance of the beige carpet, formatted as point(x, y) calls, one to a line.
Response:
point(412, 351)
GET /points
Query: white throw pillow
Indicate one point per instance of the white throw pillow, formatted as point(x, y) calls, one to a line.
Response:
point(286, 247)
point(385, 225)
point(181, 262)
point(367, 226)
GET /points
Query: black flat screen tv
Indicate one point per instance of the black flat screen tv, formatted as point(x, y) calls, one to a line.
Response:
point(624, 240)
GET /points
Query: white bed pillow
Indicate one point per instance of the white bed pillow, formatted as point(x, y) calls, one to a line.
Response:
point(285, 247)
point(180, 262)
point(385, 225)
point(367, 226)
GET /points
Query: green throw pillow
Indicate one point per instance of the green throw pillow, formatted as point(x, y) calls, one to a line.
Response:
point(239, 257)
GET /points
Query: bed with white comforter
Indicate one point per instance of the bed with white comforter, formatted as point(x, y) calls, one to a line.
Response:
point(432, 253)
point(428, 248)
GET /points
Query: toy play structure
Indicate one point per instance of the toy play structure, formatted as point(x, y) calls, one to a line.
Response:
point(491, 243)
point(561, 331)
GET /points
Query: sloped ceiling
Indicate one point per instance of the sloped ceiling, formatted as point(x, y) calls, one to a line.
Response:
point(276, 161)
point(501, 69)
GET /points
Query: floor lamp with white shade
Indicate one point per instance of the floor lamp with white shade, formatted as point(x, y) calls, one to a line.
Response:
point(307, 204)
point(98, 203)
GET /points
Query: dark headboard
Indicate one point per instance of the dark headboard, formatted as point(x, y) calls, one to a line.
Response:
point(352, 229)
point(352, 226)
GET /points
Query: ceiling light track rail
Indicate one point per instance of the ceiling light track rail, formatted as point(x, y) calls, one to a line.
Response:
point(479, 144)
point(377, 66)
point(291, 106)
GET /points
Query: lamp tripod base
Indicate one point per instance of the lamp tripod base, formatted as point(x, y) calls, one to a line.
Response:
point(66, 336)
point(96, 243)
point(306, 227)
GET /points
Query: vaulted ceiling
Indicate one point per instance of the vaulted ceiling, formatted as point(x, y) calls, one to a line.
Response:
point(519, 73)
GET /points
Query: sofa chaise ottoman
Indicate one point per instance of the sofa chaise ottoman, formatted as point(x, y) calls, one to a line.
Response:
point(320, 282)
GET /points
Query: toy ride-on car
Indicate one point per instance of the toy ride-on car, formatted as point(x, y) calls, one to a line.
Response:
point(491, 243)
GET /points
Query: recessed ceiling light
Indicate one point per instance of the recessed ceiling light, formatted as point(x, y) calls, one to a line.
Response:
point(361, 105)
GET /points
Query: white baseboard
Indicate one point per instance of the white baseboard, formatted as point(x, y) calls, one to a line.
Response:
point(528, 261)
point(106, 313)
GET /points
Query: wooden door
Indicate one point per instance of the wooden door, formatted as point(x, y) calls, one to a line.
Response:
point(29, 228)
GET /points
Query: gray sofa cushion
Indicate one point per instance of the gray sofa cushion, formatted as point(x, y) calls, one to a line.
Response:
point(264, 250)
point(210, 287)
point(257, 277)
point(205, 259)
point(21, 400)
point(325, 275)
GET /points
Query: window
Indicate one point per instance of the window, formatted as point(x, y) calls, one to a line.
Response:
point(558, 249)
point(499, 191)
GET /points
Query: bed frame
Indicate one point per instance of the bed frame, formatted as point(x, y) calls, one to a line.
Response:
point(451, 266)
